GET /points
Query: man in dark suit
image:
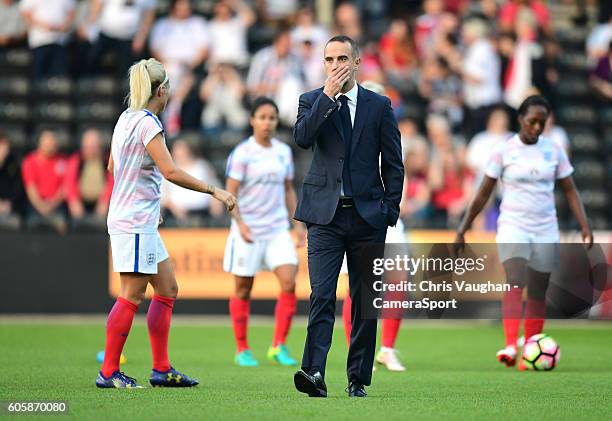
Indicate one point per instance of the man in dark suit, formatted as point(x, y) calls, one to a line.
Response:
point(350, 195)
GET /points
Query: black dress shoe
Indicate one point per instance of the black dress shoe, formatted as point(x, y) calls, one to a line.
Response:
point(356, 390)
point(311, 384)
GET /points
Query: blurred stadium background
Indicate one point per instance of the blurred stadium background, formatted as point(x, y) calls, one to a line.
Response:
point(455, 71)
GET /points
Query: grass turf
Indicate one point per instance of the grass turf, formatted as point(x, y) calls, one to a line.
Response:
point(452, 374)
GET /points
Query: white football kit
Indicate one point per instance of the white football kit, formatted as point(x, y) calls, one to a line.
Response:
point(133, 214)
point(262, 172)
point(527, 226)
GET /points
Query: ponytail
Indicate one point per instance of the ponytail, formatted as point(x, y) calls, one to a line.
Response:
point(145, 77)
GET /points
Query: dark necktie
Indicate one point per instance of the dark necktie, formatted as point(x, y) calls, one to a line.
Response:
point(347, 131)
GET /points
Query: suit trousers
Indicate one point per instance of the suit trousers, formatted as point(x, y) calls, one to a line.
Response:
point(347, 232)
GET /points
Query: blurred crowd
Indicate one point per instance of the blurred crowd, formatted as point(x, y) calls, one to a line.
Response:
point(455, 71)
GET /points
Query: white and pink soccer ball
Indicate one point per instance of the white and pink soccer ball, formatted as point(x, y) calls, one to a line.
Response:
point(541, 353)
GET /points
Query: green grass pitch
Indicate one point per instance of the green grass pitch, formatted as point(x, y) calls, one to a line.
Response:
point(452, 374)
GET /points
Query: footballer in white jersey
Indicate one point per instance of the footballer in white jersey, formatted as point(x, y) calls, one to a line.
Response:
point(139, 161)
point(260, 174)
point(527, 165)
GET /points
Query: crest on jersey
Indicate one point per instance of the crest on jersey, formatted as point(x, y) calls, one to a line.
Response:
point(150, 258)
point(547, 155)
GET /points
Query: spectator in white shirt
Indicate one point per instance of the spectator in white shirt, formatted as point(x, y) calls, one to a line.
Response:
point(276, 72)
point(598, 41)
point(223, 91)
point(49, 23)
point(308, 40)
point(185, 207)
point(481, 145)
point(557, 134)
point(481, 74)
point(307, 29)
point(276, 12)
point(12, 25)
point(123, 27)
point(477, 157)
point(228, 32)
point(180, 42)
point(519, 76)
point(314, 73)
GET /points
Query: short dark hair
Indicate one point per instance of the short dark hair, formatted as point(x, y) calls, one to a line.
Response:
point(260, 101)
point(534, 100)
point(283, 30)
point(343, 39)
point(174, 2)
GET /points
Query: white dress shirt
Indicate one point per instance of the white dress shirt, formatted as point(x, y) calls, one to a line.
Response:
point(352, 101)
point(352, 104)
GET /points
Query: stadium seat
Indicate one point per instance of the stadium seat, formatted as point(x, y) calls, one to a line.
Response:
point(53, 88)
point(15, 62)
point(577, 114)
point(574, 62)
point(590, 171)
point(607, 139)
point(584, 141)
point(573, 87)
point(14, 87)
point(572, 38)
point(17, 136)
point(97, 111)
point(53, 111)
point(97, 87)
point(594, 198)
point(14, 111)
point(605, 116)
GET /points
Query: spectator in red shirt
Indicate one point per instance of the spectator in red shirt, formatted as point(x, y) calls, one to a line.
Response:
point(88, 184)
point(414, 207)
point(449, 178)
point(43, 173)
point(427, 25)
point(509, 13)
point(397, 53)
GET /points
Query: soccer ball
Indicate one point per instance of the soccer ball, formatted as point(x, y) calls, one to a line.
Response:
point(541, 353)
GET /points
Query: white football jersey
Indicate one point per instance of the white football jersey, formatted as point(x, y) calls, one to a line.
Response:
point(528, 174)
point(135, 202)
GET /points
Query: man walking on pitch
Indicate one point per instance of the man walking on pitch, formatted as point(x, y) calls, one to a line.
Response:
point(346, 202)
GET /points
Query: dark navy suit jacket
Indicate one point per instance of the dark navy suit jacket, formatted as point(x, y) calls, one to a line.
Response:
point(376, 193)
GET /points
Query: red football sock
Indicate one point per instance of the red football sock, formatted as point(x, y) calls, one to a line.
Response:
point(118, 327)
point(283, 313)
point(158, 322)
point(535, 313)
point(390, 328)
point(512, 309)
point(346, 318)
point(239, 313)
